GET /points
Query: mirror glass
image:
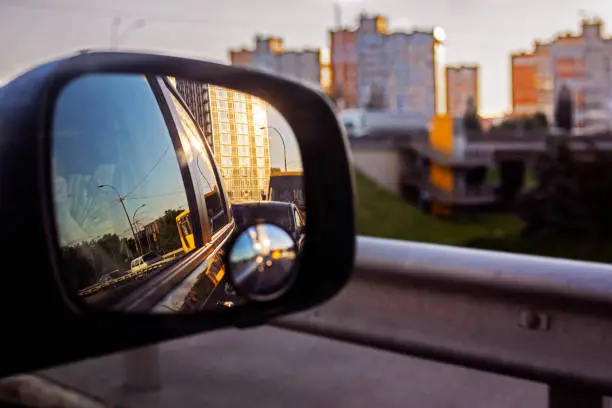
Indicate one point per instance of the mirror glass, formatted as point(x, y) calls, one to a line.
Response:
point(262, 262)
point(153, 178)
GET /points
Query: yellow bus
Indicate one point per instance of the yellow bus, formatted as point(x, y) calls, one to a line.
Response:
point(183, 223)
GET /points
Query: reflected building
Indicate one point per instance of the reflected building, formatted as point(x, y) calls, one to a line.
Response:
point(240, 135)
point(195, 95)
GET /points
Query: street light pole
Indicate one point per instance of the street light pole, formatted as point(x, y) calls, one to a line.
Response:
point(137, 227)
point(116, 37)
point(126, 214)
point(282, 140)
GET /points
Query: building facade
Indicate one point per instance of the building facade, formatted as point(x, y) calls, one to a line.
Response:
point(376, 69)
point(270, 55)
point(239, 128)
point(344, 65)
point(461, 85)
point(579, 61)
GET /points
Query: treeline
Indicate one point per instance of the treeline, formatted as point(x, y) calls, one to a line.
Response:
point(86, 262)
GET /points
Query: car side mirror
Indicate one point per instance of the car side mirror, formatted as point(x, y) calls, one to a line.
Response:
point(127, 167)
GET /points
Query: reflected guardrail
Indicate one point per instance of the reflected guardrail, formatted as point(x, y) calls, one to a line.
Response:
point(129, 276)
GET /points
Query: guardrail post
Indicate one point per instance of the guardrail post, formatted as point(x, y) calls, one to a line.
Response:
point(142, 369)
point(560, 396)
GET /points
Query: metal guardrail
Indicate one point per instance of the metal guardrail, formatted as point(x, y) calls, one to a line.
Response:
point(543, 319)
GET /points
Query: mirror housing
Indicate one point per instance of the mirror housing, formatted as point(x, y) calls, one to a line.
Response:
point(26, 114)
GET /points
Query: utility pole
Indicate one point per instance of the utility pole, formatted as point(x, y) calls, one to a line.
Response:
point(338, 15)
point(121, 199)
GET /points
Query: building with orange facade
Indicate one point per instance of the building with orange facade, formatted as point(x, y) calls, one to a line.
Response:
point(461, 84)
point(579, 61)
point(344, 67)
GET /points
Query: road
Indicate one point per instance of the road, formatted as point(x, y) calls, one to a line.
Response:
point(269, 367)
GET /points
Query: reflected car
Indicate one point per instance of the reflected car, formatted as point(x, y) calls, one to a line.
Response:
point(286, 215)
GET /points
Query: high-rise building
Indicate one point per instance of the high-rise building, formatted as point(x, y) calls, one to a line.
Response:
point(399, 72)
point(412, 81)
point(461, 85)
point(373, 70)
point(240, 136)
point(344, 63)
point(270, 55)
point(579, 61)
point(195, 95)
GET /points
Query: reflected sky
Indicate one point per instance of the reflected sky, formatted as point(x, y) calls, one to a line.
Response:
point(294, 160)
point(108, 130)
point(244, 247)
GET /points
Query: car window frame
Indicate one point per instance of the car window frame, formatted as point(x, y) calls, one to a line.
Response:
point(173, 139)
point(168, 91)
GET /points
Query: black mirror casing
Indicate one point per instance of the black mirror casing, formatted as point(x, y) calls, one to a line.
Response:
point(46, 325)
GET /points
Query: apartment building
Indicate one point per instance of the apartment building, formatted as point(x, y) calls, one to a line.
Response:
point(461, 85)
point(581, 61)
point(270, 55)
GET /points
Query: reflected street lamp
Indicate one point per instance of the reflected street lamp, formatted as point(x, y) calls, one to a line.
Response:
point(282, 140)
point(121, 199)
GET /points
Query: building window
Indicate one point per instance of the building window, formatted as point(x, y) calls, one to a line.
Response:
point(242, 129)
point(239, 97)
point(224, 127)
point(244, 162)
point(227, 172)
point(226, 138)
point(240, 107)
point(226, 150)
point(223, 115)
point(222, 105)
point(259, 141)
point(244, 172)
point(243, 151)
point(261, 173)
point(259, 151)
point(221, 93)
point(260, 162)
point(243, 140)
point(241, 117)
point(226, 161)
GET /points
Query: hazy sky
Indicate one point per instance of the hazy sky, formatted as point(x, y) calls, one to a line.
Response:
point(482, 31)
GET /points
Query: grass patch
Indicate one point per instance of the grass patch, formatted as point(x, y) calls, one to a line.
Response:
point(381, 214)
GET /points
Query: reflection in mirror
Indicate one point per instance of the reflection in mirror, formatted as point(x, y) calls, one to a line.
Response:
point(152, 179)
point(262, 262)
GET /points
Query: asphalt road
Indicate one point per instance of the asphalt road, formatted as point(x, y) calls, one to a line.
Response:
point(269, 367)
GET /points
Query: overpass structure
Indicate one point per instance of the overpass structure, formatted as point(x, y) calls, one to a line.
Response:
point(450, 168)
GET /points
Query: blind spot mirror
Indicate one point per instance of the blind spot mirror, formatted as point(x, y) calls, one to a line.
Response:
point(262, 262)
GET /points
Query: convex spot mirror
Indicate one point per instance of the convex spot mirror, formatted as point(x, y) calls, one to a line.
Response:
point(153, 179)
point(262, 262)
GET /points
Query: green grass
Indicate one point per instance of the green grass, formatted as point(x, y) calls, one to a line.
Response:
point(381, 214)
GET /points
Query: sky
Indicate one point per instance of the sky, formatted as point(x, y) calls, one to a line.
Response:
point(276, 121)
point(477, 31)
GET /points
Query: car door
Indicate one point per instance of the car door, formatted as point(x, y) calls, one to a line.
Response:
point(206, 288)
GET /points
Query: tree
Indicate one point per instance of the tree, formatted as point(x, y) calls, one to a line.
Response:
point(564, 110)
point(168, 238)
point(471, 120)
point(540, 120)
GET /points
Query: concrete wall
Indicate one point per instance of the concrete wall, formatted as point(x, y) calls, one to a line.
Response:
point(381, 165)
